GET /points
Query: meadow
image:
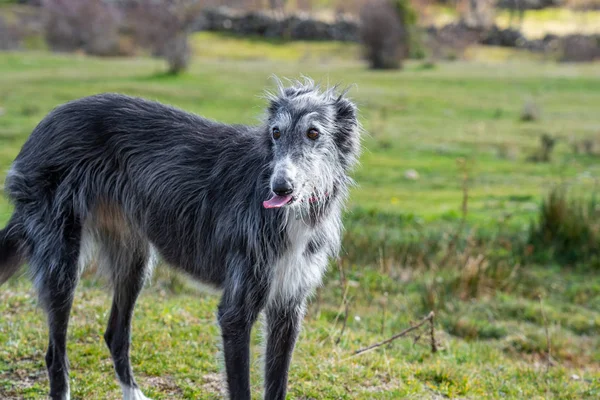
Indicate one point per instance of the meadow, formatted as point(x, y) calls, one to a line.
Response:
point(446, 157)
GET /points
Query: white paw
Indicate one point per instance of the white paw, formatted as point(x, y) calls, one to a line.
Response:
point(131, 393)
point(67, 395)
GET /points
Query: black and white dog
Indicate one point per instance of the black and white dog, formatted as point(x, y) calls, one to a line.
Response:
point(255, 211)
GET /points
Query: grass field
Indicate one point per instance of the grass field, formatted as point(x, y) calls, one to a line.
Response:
point(494, 344)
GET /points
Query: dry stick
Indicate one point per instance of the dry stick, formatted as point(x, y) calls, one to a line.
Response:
point(342, 273)
point(417, 338)
point(462, 164)
point(318, 308)
point(549, 350)
point(399, 335)
point(337, 341)
point(434, 347)
point(384, 306)
point(344, 304)
point(382, 266)
point(345, 301)
point(549, 360)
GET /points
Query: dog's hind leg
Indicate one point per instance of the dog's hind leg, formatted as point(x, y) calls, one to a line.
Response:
point(127, 263)
point(53, 263)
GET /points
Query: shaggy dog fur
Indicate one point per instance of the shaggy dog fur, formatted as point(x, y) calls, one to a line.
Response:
point(254, 211)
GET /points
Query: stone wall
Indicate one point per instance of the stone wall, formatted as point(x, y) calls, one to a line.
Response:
point(457, 35)
point(570, 48)
point(273, 25)
point(529, 4)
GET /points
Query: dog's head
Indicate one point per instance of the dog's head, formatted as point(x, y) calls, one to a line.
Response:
point(315, 139)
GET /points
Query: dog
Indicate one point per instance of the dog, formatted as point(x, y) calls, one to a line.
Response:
point(252, 210)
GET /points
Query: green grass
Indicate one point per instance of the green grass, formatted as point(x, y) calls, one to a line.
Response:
point(493, 343)
point(231, 48)
point(492, 348)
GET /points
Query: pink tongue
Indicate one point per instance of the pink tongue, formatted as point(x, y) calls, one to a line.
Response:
point(277, 201)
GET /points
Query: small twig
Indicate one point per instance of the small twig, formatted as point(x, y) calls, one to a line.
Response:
point(548, 343)
point(463, 166)
point(511, 277)
point(346, 312)
point(399, 335)
point(384, 306)
point(417, 338)
point(345, 302)
point(382, 264)
point(549, 349)
point(342, 273)
point(342, 305)
point(434, 347)
point(318, 305)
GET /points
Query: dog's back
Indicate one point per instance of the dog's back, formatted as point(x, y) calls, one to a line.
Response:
point(121, 162)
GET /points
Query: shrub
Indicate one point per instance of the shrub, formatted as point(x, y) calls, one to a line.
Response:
point(384, 33)
point(472, 329)
point(580, 48)
point(590, 146)
point(89, 25)
point(567, 230)
point(544, 153)
point(10, 37)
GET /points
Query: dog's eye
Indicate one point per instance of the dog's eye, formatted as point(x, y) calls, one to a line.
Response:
point(312, 133)
point(276, 133)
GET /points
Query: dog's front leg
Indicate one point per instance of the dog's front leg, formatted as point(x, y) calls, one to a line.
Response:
point(283, 325)
point(238, 311)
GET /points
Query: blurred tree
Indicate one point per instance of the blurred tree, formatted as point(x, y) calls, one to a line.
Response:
point(385, 32)
point(89, 25)
point(304, 5)
point(478, 14)
point(277, 4)
point(164, 27)
point(10, 37)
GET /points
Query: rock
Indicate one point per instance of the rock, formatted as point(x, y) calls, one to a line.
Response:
point(530, 112)
point(411, 175)
point(504, 37)
point(548, 43)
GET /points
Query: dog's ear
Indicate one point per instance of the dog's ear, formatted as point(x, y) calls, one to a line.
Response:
point(345, 110)
point(347, 136)
point(274, 106)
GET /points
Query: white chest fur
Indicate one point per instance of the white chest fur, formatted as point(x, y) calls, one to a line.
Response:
point(297, 272)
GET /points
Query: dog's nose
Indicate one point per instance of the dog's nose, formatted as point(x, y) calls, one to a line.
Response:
point(282, 188)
